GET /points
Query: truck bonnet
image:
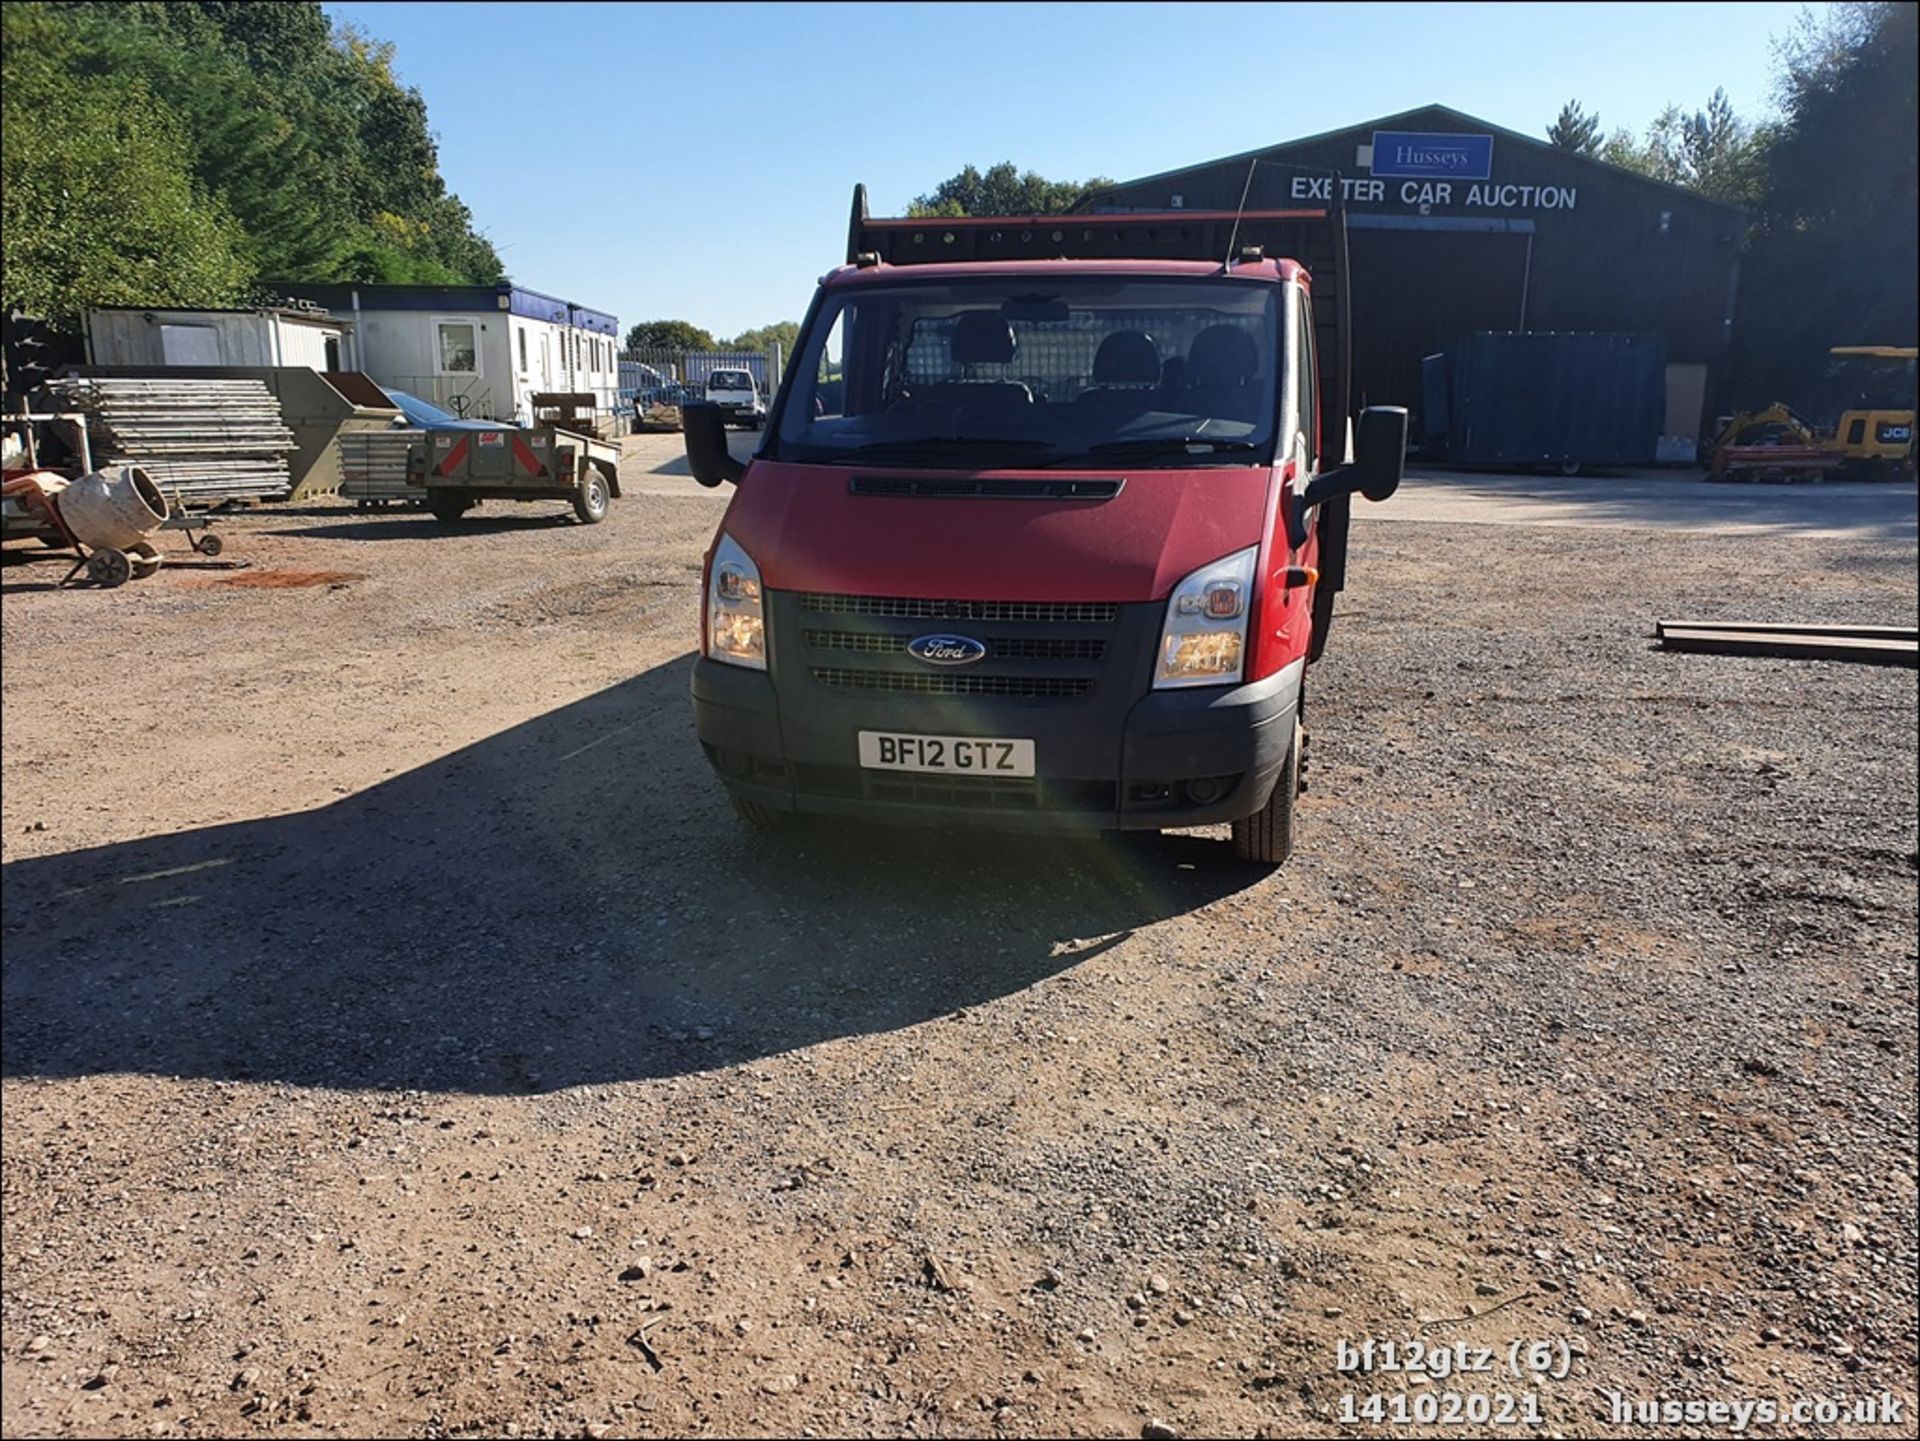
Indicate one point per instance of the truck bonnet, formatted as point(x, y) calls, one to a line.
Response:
point(808, 530)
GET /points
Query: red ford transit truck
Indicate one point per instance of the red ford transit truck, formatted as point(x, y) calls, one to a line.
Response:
point(1045, 527)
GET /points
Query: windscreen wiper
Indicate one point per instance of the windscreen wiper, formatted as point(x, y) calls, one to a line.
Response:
point(1171, 445)
point(1154, 445)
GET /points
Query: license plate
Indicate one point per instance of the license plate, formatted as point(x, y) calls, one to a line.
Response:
point(945, 755)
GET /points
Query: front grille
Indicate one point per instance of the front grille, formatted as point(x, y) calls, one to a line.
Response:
point(991, 794)
point(1000, 793)
point(1044, 612)
point(1005, 647)
point(861, 642)
point(1028, 647)
point(1034, 687)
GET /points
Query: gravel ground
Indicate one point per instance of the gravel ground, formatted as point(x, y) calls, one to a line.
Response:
point(402, 1038)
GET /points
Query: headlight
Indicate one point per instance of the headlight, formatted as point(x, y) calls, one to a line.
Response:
point(1204, 641)
point(736, 621)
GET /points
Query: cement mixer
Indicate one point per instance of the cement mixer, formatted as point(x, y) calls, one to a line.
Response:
point(106, 516)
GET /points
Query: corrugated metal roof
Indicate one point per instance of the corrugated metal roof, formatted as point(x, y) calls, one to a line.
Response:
point(534, 304)
point(1390, 122)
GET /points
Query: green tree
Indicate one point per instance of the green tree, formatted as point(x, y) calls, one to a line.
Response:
point(298, 129)
point(1002, 190)
point(1575, 130)
point(762, 337)
point(669, 335)
point(100, 206)
point(1712, 151)
point(1721, 155)
point(1831, 261)
point(1623, 149)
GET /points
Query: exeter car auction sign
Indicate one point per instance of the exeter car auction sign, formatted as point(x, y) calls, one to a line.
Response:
point(1422, 172)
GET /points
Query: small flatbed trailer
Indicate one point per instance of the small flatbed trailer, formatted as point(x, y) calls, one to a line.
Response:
point(457, 469)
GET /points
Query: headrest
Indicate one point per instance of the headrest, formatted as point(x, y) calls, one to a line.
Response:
point(1127, 357)
point(1222, 355)
point(982, 337)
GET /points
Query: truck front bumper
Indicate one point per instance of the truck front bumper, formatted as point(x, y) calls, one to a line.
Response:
point(1170, 758)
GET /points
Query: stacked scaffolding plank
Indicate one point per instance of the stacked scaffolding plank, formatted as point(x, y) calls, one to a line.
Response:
point(202, 441)
point(373, 465)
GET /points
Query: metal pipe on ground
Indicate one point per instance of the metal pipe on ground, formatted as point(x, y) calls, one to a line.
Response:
point(1863, 632)
point(1885, 645)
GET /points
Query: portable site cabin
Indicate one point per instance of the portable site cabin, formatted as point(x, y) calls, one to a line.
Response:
point(271, 335)
point(477, 350)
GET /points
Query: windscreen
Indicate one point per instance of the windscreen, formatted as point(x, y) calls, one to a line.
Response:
point(1869, 382)
point(731, 380)
point(1003, 370)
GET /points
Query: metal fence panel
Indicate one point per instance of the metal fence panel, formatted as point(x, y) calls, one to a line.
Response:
point(677, 377)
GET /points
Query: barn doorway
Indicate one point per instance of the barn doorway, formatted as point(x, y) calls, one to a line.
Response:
point(1419, 282)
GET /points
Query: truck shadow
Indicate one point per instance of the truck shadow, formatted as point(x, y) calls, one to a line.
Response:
point(569, 901)
point(412, 525)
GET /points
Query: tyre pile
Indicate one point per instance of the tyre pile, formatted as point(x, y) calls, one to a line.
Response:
point(202, 441)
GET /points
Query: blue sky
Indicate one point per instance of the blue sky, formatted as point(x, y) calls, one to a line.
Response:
point(695, 161)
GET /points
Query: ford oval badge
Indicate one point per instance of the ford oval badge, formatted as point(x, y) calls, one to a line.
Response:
point(946, 649)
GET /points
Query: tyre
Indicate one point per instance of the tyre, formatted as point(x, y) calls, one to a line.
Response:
point(447, 506)
point(1266, 836)
point(759, 815)
point(109, 567)
point(591, 498)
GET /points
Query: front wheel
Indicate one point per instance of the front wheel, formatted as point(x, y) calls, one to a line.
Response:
point(109, 567)
point(1266, 836)
point(590, 500)
point(447, 506)
point(766, 819)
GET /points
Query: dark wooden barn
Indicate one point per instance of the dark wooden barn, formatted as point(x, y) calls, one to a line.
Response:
point(1455, 226)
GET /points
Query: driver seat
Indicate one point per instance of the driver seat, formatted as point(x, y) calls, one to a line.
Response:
point(980, 337)
point(1223, 367)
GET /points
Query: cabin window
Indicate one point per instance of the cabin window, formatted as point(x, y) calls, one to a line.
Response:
point(459, 347)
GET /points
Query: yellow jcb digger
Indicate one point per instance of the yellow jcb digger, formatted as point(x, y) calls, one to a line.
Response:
point(1870, 388)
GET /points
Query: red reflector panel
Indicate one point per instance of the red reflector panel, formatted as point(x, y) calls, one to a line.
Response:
point(529, 462)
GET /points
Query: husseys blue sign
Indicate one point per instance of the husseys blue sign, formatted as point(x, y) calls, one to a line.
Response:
point(1432, 157)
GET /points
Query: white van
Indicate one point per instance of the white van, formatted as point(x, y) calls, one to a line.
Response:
point(737, 396)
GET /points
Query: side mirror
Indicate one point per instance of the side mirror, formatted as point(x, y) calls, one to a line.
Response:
point(1381, 450)
point(1380, 458)
point(707, 453)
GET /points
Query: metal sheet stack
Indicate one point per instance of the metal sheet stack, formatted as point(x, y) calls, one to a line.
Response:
point(373, 465)
point(202, 441)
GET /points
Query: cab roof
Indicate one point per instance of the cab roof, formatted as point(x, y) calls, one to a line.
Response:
point(1271, 271)
point(1188, 244)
